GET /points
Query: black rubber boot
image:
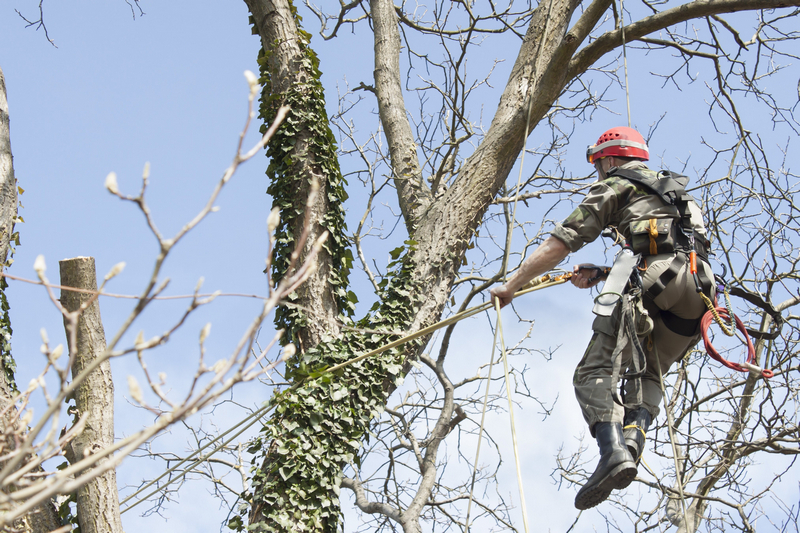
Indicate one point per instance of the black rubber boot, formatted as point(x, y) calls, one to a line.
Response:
point(637, 421)
point(616, 469)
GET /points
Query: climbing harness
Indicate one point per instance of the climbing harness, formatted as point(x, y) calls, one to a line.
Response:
point(657, 236)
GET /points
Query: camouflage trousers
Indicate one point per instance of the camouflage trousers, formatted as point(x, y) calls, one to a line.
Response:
point(593, 376)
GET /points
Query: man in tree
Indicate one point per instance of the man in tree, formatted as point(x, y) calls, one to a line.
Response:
point(657, 320)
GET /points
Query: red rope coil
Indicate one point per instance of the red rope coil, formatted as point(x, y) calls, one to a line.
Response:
point(705, 324)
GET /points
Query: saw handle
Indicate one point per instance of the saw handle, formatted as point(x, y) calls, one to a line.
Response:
point(601, 271)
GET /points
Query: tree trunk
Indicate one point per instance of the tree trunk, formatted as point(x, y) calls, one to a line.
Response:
point(45, 517)
point(8, 184)
point(293, 80)
point(98, 501)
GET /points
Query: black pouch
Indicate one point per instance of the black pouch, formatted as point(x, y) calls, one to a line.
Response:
point(653, 236)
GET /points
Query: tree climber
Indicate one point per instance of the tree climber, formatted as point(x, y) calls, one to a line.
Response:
point(663, 226)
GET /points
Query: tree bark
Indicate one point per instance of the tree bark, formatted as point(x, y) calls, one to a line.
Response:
point(45, 517)
point(8, 183)
point(98, 500)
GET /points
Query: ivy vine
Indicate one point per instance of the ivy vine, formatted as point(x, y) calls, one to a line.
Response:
point(6, 359)
point(9, 365)
point(318, 426)
point(306, 123)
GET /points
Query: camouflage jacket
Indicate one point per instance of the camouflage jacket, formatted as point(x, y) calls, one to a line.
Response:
point(617, 202)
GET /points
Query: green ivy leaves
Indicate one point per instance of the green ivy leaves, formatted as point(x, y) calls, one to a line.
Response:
point(305, 140)
point(319, 426)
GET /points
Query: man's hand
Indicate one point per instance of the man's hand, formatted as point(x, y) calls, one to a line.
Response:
point(585, 275)
point(502, 293)
point(544, 258)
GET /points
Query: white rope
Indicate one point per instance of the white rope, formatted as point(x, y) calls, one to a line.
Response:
point(497, 306)
point(480, 431)
point(625, 60)
point(511, 413)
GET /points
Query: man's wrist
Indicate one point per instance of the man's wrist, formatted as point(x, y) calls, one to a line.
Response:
point(512, 286)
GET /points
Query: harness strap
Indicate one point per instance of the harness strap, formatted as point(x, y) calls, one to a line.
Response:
point(688, 327)
point(627, 333)
point(663, 280)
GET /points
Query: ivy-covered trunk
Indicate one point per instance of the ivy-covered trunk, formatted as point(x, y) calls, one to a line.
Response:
point(302, 153)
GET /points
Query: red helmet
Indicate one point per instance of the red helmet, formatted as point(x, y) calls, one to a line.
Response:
point(622, 142)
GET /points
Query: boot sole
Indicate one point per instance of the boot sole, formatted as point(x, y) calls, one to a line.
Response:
point(619, 478)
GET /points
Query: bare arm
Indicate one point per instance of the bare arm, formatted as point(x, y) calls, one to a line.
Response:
point(549, 254)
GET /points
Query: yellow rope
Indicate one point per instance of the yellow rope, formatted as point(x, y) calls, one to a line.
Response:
point(728, 328)
point(541, 283)
point(635, 426)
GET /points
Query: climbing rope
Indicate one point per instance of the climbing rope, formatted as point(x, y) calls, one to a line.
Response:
point(726, 319)
point(548, 280)
point(625, 60)
point(511, 416)
point(749, 364)
point(480, 431)
point(506, 254)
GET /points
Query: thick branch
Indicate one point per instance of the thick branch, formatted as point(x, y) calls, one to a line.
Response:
point(367, 506)
point(414, 196)
point(439, 432)
point(699, 8)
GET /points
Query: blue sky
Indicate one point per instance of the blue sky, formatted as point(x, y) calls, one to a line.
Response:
point(167, 88)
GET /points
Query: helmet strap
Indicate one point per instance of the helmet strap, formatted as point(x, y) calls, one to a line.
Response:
point(598, 165)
